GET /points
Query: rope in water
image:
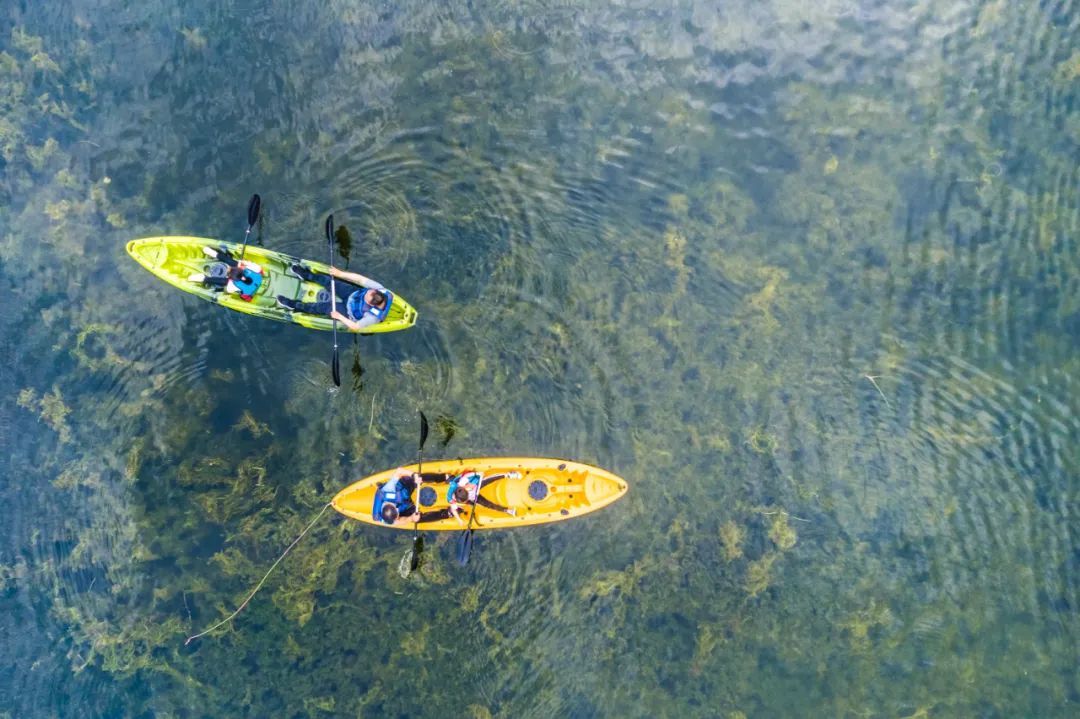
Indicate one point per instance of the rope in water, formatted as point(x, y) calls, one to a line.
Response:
point(258, 586)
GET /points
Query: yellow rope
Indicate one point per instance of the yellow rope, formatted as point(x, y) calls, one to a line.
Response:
point(258, 586)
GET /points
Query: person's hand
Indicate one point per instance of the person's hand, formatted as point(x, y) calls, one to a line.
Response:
point(338, 316)
point(419, 479)
point(415, 518)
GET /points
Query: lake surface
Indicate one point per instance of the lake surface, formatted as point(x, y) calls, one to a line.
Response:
point(807, 277)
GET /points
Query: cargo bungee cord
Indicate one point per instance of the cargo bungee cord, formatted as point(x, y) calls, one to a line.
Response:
point(258, 586)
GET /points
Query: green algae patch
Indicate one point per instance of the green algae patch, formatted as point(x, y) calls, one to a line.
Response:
point(761, 441)
point(731, 539)
point(1069, 70)
point(759, 574)
point(781, 533)
point(50, 408)
point(859, 625)
point(254, 427)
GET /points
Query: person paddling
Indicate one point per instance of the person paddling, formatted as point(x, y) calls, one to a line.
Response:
point(393, 502)
point(243, 278)
point(361, 301)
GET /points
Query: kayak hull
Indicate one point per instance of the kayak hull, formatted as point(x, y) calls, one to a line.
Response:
point(174, 259)
point(549, 490)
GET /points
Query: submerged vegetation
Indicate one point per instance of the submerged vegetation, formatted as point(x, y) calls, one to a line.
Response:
point(677, 249)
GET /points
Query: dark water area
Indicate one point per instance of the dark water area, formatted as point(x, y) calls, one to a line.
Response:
point(807, 277)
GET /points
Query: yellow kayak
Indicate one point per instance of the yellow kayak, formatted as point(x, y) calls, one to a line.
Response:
point(174, 259)
point(548, 490)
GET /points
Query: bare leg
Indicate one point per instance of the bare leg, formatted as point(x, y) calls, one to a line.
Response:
point(485, 502)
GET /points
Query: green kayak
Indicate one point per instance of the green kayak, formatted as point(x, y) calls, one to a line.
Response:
point(175, 259)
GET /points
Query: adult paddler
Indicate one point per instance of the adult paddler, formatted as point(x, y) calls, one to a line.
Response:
point(365, 302)
point(394, 503)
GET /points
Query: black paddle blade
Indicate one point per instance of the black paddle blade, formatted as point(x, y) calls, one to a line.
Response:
point(335, 369)
point(330, 229)
point(417, 550)
point(465, 547)
point(423, 430)
point(253, 209)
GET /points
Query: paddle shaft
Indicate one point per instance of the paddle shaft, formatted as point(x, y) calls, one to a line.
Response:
point(466, 537)
point(254, 205)
point(417, 542)
point(333, 299)
point(243, 249)
point(472, 512)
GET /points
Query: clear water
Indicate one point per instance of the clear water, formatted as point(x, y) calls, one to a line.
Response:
point(807, 277)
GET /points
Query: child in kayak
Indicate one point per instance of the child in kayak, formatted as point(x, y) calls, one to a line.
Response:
point(243, 278)
point(465, 489)
point(361, 301)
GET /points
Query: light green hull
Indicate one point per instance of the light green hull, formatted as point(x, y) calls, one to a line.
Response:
point(174, 259)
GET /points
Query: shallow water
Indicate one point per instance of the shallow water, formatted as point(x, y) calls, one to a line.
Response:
point(808, 278)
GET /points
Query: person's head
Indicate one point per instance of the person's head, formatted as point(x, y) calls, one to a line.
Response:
point(461, 494)
point(389, 513)
point(375, 298)
point(235, 273)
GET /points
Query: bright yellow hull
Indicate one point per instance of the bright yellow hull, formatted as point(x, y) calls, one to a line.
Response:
point(549, 490)
point(174, 259)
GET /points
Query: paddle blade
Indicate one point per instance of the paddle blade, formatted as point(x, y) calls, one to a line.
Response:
point(330, 229)
point(417, 550)
point(423, 430)
point(465, 547)
point(253, 209)
point(335, 369)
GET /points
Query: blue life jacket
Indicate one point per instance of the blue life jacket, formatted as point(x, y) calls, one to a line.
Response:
point(248, 283)
point(467, 477)
point(391, 492)
point(357, 306)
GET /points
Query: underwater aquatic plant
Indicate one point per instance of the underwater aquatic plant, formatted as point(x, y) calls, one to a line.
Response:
point(248, 423)
point(758, 574)
point(50, 408)
point(447, 428)
point(731, 538)
point(781, 533)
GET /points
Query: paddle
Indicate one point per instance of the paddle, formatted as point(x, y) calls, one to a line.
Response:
point(418, 541)
point(254, 205)
point(334, 367)
point(466, 539)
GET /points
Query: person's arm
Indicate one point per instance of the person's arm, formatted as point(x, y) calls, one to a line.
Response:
point(356, 278)
point(409, 519)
